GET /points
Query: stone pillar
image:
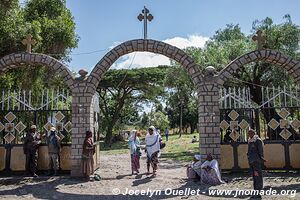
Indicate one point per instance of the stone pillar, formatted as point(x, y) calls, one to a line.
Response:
point(209, 115)
point(82, 120)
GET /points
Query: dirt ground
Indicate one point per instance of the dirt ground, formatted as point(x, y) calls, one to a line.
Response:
point(170, 183)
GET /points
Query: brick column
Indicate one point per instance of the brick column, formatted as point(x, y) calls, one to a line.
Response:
point(82, 120)
point(209, 117)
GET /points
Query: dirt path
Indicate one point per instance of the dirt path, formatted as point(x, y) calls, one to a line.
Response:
point(116, 178)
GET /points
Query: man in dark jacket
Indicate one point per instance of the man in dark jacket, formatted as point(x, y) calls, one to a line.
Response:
point(31, 145)
point(255, 158)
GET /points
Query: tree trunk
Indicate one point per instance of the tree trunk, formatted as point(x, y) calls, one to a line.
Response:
point(108, 136)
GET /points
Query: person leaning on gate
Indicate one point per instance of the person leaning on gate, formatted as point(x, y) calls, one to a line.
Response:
point(54, 148)
point(255, 158)
point(30, 147)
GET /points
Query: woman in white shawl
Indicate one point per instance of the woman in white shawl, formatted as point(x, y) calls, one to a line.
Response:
point(134, 145)
point(196, 165)
point(153, 148)
point(210, 173)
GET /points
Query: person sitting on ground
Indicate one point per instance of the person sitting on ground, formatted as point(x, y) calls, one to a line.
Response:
point(194, 169)
point(210, 173)
point(194, 139)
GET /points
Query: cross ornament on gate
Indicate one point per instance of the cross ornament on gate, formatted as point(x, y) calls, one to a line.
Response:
point(261, 40)
point(145, 16)
point(28, 41)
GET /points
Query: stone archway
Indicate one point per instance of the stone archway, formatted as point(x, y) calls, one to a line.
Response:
point(83, 111)
point(291, 65)
point(14, 60)
point(209, 111)
point(141, 45)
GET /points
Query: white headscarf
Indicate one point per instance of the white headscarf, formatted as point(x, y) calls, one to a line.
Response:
point(152, 142)
point(132, 135)
point(132, 141)
point(197, 156)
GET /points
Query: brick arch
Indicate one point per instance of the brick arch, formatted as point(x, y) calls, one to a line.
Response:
point(141, 45)
point(14, 60)
point(291, 65)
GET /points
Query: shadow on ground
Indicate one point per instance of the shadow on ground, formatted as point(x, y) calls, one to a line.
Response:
point(48, 188)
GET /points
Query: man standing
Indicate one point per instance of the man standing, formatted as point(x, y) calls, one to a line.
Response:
point(31, 145)
point(54, 147)
point(256, 158)
point(167, 134)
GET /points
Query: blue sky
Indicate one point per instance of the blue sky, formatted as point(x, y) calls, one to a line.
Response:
point(101, 24)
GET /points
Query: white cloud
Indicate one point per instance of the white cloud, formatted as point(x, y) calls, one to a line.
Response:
point(190, 41)
point(146, 59)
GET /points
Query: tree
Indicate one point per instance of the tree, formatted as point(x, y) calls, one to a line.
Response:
point(159, 120)
point(51, 24)
point(230, 43)
point(121, 88)
point(181, 93)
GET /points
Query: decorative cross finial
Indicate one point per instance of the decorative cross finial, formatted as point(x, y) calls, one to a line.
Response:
point(83, 73)
point(260, 39)
point(145, 16)
point(28, 42)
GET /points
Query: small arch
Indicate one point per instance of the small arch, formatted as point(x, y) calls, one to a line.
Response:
point(14, 60)
point(140, 45)
point(291, 65)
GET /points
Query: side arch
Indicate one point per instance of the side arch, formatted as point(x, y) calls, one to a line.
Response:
point(291, 65)
point(14, 60)
point(141, 45)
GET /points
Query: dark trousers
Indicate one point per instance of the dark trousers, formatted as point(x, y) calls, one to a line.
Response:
point(31, 162)
point(256, 166)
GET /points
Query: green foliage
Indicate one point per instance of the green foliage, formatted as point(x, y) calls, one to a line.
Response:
point(159, 120)
point(12, 27)
point(52, 26)
point(181, 92)
point(122, 91)
point(57, 28)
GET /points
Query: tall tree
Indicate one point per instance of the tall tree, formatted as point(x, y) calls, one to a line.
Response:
point(120, 88)
point(230, 43)
point(182, 96)
point(51, 24)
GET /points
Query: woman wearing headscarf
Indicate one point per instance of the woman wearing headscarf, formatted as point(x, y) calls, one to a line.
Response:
point(135, 153)
point(88, 151)
point(193, 170)
point(153, 149)
point(210, 173)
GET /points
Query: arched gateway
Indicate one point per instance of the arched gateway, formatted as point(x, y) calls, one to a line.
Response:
point(208, 85)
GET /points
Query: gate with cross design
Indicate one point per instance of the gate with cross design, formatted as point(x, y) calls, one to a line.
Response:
point(276, 121)
point(18, 111)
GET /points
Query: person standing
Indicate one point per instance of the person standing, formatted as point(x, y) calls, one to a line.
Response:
point(167, 134)
point(88, 151)
point(135, 153)
point(30, 147)
point(255, 158)
point(153, 148)
point(54, 148)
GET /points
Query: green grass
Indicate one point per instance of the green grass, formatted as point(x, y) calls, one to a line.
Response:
point(179, 149)
point(116, 148)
